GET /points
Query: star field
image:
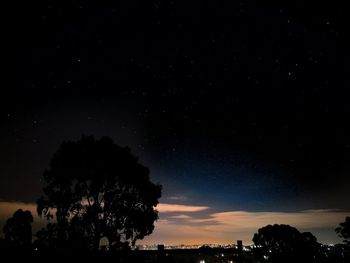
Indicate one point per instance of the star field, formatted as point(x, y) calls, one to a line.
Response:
point(236, 105)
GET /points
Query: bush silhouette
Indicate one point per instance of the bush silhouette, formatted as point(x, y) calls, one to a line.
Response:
point(283, 243)
point(97, 189)
point(18, 231)
point(344, 230)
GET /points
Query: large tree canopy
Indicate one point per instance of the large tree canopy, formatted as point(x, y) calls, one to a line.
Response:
point(98, 189)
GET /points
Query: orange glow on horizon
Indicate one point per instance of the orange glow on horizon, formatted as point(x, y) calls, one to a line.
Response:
point(191, 225)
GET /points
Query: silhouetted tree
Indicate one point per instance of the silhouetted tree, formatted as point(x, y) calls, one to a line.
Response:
point(98, 189)
point(18, 230)
point(283, 243)
point(344, 230)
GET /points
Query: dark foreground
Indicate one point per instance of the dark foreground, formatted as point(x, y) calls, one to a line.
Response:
point(171, 256)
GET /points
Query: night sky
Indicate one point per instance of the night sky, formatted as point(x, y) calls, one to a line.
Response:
point(240, 109)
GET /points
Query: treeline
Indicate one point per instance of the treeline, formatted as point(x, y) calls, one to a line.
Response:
point(272, 244)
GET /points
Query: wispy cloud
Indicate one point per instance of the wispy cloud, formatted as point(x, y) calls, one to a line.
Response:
point(177, 198)
point(228, 226)
point(181, 217)
point(172, 208)
point(302, 219)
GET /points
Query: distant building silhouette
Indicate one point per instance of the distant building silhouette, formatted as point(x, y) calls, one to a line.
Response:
point(240, 251)
point(160, 247)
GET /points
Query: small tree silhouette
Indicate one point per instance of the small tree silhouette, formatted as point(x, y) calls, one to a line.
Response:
point(98, 189)
point(283, 243)
point(18, 230)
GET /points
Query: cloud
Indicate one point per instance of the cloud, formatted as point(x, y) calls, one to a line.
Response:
point(181, 217)
point(188, 224)
point(178, 198)
point(301, 219)
point(229, 226)
point(173, 208)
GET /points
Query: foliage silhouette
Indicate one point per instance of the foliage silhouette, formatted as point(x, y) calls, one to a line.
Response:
point(344, 230)
point(97, 189)
point(18, 231)
point(283, 243)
